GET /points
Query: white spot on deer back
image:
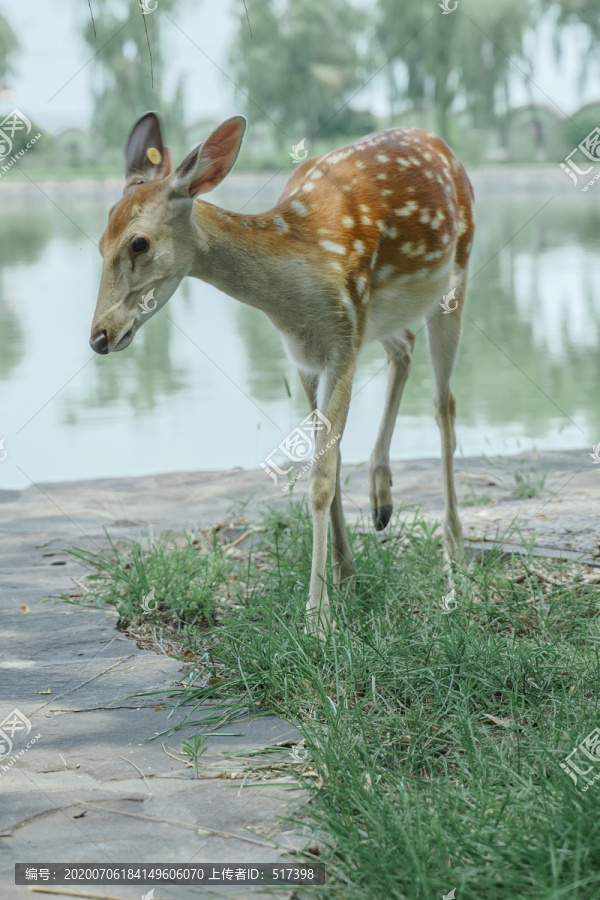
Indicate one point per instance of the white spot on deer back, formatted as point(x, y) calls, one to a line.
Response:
point(387, 231)
point(280, 224)
point(298, 207)
point(340, 155)
point(332, 247)
point(407, 209)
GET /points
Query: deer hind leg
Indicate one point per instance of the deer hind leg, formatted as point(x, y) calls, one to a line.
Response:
point(341, 554)
point(399, 353)
point(443, 331)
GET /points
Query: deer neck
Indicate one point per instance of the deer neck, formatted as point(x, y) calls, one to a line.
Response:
point(250, 258)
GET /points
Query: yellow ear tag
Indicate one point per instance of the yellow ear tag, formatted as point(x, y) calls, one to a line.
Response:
point(154, 155)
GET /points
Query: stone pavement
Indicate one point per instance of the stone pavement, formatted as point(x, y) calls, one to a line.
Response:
point(93, 788)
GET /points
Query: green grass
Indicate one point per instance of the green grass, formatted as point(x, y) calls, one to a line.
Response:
point(176, 584)
point(434, 739)
point(520, 478)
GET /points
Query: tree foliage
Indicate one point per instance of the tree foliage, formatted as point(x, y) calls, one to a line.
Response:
point(461, 59)
point(9, 44)
point(302, 62)
point(127, 81)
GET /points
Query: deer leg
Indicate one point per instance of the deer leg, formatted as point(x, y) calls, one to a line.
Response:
point(443, 331)
point(323, 488)
point(341, 554)
point(399, 353)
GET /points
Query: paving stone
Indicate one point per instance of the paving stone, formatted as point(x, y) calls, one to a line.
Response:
point(95, 786)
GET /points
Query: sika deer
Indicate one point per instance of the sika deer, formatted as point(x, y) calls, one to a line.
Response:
point(363, 241)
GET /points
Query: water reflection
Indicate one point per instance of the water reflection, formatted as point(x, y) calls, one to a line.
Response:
point(140, 380)
point(206, 383)
point(22, 240)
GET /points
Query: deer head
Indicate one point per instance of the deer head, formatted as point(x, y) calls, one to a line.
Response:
point(149, 242)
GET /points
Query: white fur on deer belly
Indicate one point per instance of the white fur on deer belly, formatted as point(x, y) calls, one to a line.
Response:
point(398, 303)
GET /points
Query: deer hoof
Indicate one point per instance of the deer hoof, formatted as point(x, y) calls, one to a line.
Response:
point(381, 516)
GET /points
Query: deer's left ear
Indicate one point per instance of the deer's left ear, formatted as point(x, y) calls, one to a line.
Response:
point(145, 154)
point(208, 164)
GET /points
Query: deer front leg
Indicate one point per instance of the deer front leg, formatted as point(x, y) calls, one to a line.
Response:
point(322, 490)
point(341, 554)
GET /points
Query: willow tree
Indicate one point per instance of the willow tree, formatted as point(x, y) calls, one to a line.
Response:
point(301, 64)
point(445, 61)
point(9, 45)
point(129, 70)
point(568, 13)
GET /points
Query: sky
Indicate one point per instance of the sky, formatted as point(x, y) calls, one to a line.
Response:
point(54, 58)
point(52, 84)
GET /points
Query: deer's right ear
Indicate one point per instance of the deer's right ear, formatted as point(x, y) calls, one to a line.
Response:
point(208, 164)
point(145, 154)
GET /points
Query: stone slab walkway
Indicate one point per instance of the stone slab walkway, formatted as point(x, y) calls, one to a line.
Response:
point(93, 786)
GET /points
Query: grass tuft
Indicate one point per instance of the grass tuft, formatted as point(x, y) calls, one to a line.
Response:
point(435, 738)
point(160, 582)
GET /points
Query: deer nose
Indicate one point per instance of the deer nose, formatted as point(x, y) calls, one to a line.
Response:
point(100, 343)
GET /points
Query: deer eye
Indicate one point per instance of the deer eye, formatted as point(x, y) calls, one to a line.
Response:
point(140, 245)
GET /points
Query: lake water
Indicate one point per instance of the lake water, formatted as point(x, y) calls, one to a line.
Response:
point(203, 386)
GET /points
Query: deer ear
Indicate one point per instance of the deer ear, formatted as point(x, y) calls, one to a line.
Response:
point(145, 154)
point(208, 164)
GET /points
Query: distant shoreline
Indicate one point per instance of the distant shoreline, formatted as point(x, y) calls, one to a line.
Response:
point(490, 178)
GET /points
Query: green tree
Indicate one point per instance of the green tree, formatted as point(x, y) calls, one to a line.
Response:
point(9, 44)
point(449, 60)
point(582, 12)
point(576, 12)
point(301, 63)
point(126, 82)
